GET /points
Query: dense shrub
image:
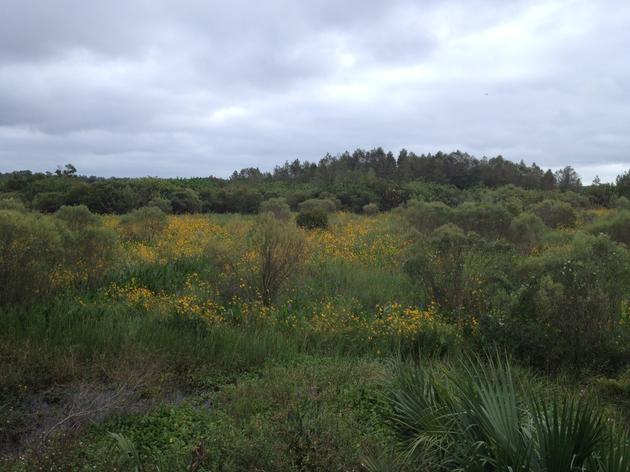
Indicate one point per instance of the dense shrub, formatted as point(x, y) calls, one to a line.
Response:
point(323, 204)
point(426, 217)
point(491, 221)
point(526, 231)
point(276, 206)
point(143, 224)
point(616, 226)
point(459, 271)
point(312, 219)
point(575, 292)
point(89, 253)
point(622, 203)
point(279, 250)
point(161, 203)
point(555, 214)
point(185, 201)
point(31, 252)
point(48, 202)
point(77, 217)
point(370, 209)
point(12, 204)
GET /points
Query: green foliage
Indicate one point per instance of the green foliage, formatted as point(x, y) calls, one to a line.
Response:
point(575, 292)
point(284, 418)
point(12, 204)
point(312, 219)
point(144, 224)
point(526, 231)
point(77, 217)
point(278, 207)
point(490, 221)
point(616, 226)
point(278, 250)
point(622, 203)
point(475, 416)
point(427, 217)
point(555, 214)
point(185, 201)
point(321, 204)
point(458, 270)
point(370, 209)
point(30, 251)
point(162, 203)
point(48, 202)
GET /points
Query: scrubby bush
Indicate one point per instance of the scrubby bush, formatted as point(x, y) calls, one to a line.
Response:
point(77, 217)
point(185, 201)
point(555, 214)
point(48, 202)
point(526, 231)
point(616, 225)
point(426, 217)
point(570, 301)
point(279, 250)
point(143, 224)
point(89, 253)
point(312, 219)
point(490, 221)
point(459, 271)
point(370, 209)
point(12, 204)
point(31, 252)
point(323, 204)
point(276, 206)
point(622, 203)
point(161, 203)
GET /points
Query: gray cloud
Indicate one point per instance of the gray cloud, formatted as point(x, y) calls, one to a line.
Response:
point(196, 88)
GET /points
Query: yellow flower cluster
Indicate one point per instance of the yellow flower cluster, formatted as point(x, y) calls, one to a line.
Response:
point(360, 240)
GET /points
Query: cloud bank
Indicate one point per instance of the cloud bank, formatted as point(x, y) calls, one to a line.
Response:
point(133, 88)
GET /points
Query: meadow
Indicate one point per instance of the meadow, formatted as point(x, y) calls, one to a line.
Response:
point(489, 335)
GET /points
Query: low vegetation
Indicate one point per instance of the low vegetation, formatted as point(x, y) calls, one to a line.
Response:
point(462, 329)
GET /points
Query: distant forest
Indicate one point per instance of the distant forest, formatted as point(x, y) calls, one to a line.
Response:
point(352, 180)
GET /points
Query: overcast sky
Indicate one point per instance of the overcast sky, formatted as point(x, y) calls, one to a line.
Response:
point(184, 87)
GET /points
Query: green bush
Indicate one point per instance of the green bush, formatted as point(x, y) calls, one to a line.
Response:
point(616, 226)
point(462, 273)
point(12, 204)
point(426, 217)
point(30, 252)
point(490, 221)
point(48, 202)
point(526, 231)
point(370, 209)
point(323, 204)
point(570, 302)
point(622, 203)
point(312, 219)
point(77, 217)
point(555, 214)
point(89, 252)
point(279, 251)
point(185, 201)
point(144, 224)
point(161, 203)
point(278, 207)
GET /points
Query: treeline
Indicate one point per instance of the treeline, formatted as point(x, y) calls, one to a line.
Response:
point(373, 179)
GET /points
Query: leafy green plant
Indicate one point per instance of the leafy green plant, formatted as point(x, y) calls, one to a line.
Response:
point(475, 416)
point(312, 219)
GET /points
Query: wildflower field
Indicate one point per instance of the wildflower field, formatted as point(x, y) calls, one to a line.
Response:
point(149, 341)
